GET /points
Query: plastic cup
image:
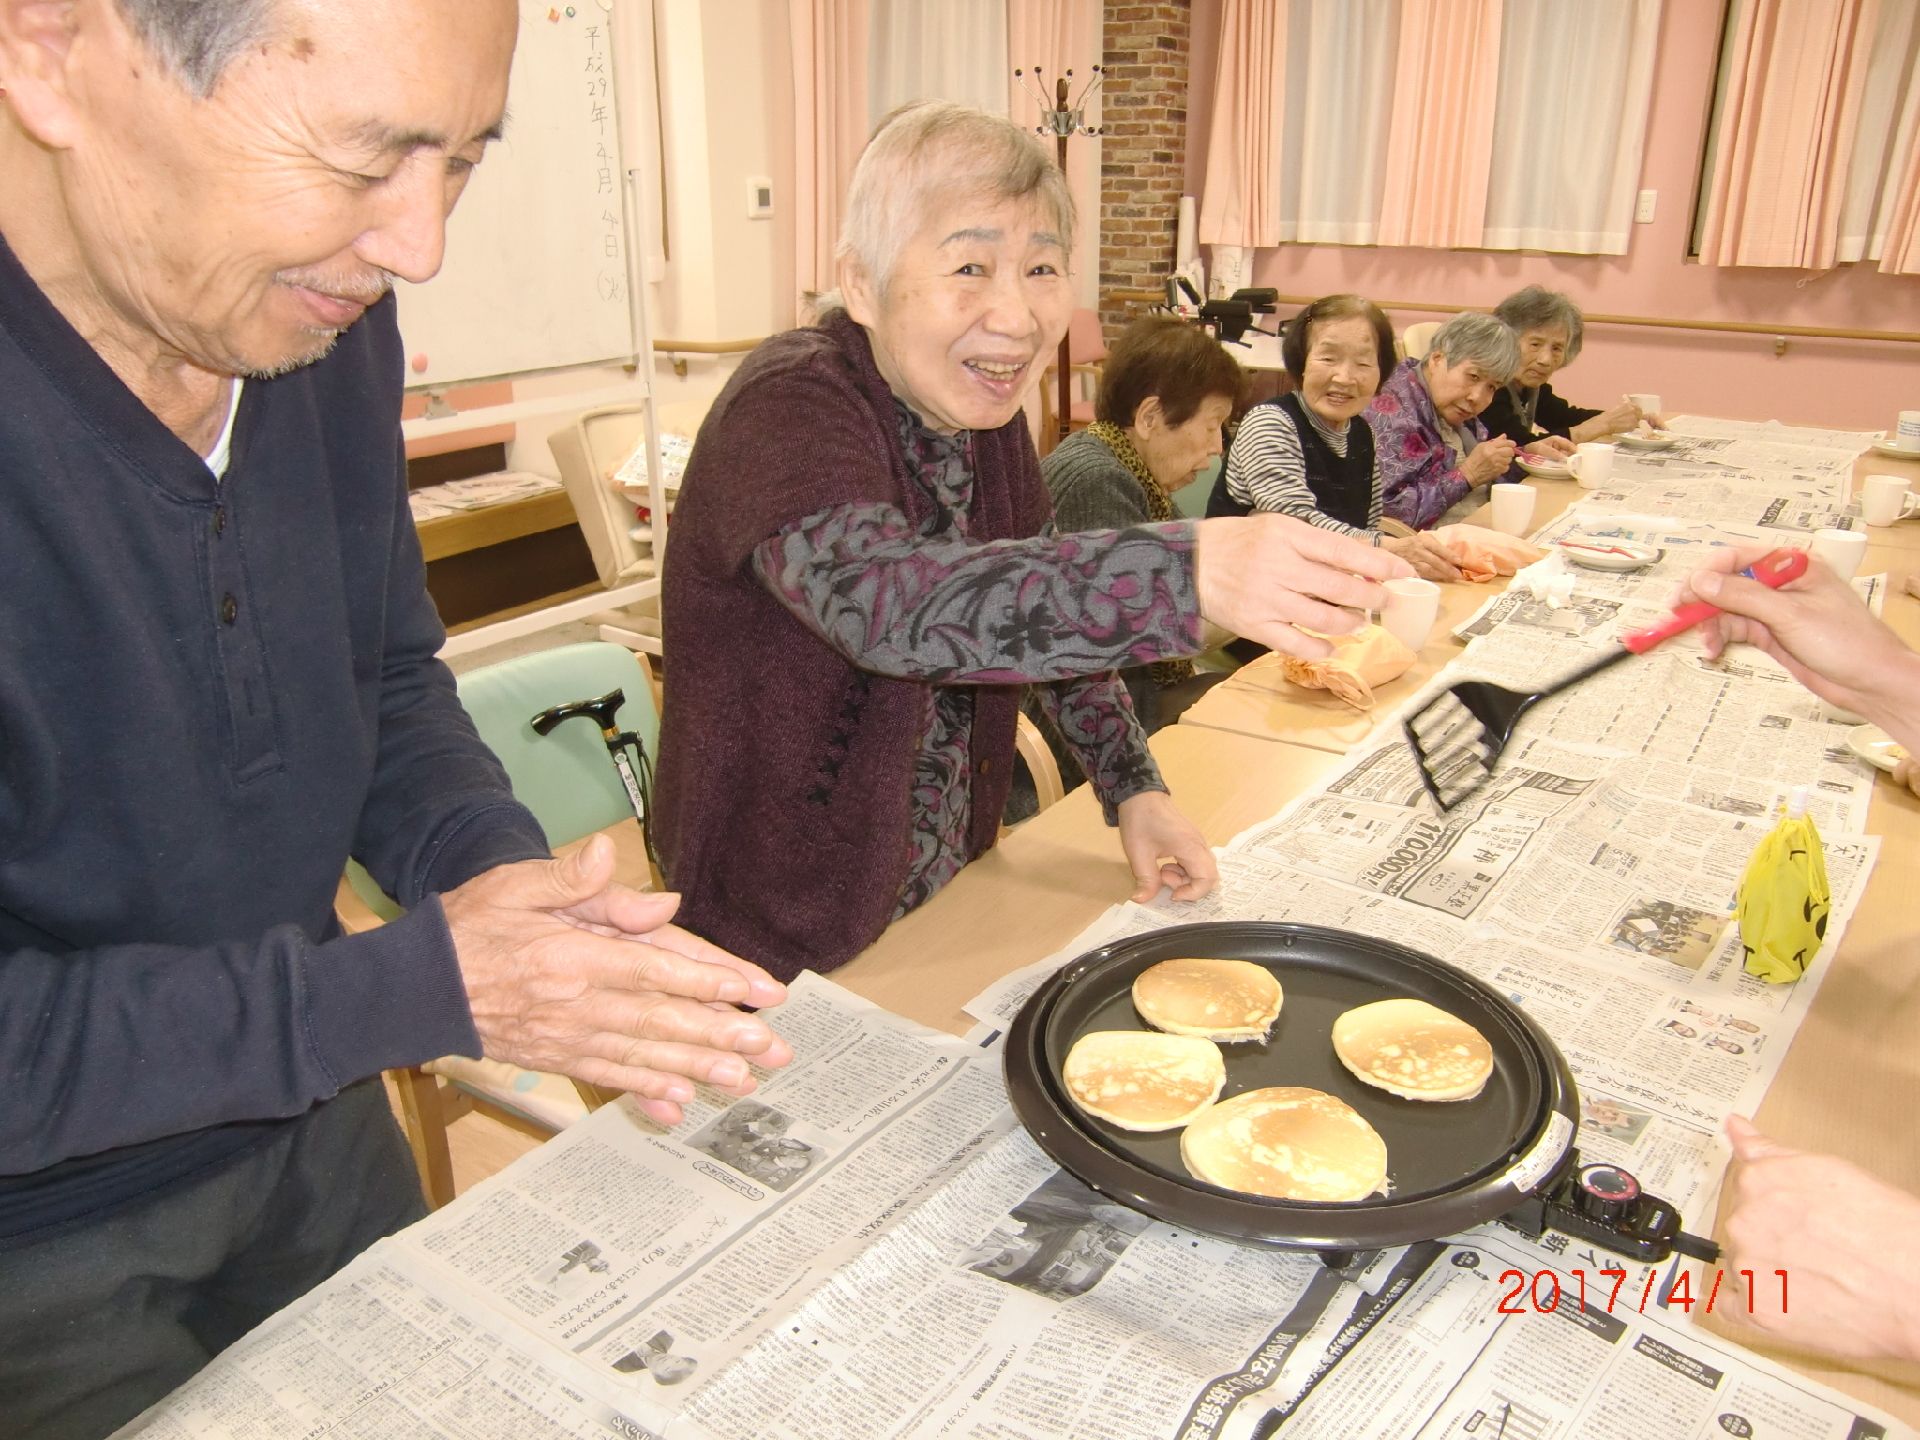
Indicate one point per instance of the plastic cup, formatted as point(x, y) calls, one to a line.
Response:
point(1412, 606)
point(1842, 550)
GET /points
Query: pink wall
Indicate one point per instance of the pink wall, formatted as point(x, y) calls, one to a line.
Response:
point(1854, 384)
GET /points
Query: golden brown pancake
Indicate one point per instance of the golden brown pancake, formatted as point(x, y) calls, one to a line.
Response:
point(1288, 1143)
point(1142, 1081)
point(1219, 999)
point(1414, 1050)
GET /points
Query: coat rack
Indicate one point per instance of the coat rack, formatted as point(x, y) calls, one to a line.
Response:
point(1063, 119)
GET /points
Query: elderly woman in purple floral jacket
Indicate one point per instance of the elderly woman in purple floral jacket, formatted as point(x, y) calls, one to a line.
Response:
point(1436, 459)
point(864, 573)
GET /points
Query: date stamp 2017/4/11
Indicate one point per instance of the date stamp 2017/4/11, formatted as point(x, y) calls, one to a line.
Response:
point(1541, 1291)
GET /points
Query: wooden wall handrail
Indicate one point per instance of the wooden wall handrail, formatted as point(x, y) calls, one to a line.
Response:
point(1653, 322)
point(1650, 322)
point(705, 347)
point(678, 350)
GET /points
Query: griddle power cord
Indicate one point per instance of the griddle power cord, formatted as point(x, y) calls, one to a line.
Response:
point(1696, 1247)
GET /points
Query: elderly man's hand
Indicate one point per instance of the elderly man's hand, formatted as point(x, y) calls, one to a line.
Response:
point(1163, 847)
point(1821, 631)
point(1850, 1244)
point(567, 972)
point(1263, 575)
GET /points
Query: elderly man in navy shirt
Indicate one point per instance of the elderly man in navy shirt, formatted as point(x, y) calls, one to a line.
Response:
point(217, 682)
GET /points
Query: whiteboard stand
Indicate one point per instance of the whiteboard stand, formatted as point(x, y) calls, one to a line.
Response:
point(636, 221)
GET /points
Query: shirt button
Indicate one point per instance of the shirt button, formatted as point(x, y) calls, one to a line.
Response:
point(219, 519)
point(229, 609)
point(986, 766)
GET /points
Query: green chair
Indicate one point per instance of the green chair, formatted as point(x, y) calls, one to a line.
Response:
point(568, 780)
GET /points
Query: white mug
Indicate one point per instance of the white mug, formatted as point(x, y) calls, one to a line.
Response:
point(1513, 507)
point(1412, 606)
point(1649, 404)
point(1885, 499)
point(1906, 430)
point(1842, 550)
point(1591, 464)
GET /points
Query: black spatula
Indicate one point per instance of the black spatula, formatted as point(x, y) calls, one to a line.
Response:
point(1457, 735)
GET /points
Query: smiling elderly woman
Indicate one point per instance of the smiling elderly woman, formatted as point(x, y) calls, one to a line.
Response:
point(1434, 455)
point(1550, 330)
point(864, 572)
point(1310, 454)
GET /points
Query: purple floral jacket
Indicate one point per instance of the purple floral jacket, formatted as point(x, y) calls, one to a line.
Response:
point(1420, 477)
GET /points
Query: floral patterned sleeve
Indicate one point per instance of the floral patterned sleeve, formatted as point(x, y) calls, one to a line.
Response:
point(1420, 477)
point(1002, 612)
point(1096, 718)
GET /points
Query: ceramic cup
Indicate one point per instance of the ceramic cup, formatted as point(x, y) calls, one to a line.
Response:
point(1649, 404)
point(1906, 430)
point(1413, 605)
point(1592, 464)
point(1885, 499)
point(1513, 508)
point(1842, 550)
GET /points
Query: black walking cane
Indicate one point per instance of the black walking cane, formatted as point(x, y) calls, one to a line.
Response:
point(636, 770)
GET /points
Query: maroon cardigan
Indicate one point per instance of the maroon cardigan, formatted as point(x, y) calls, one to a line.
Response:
point(783, 804)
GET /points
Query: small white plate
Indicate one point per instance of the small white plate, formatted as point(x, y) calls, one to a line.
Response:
point(1545, 469)
point(1876, 747)
point(1606, 552)
point(1896, 450)
point(1646, 443)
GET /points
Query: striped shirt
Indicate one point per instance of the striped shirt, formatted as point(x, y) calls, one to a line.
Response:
point(1267, 469)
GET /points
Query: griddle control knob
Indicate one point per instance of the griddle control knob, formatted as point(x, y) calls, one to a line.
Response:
point(1606, 1192)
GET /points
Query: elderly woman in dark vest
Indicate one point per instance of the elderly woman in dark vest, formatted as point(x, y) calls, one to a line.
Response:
point(864, 572)
point(1310, 454)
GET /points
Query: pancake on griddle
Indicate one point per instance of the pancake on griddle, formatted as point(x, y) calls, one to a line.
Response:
point(1288, 1143)
point(1140, 1080)
point(1222, 1000)
point(1414, 1050)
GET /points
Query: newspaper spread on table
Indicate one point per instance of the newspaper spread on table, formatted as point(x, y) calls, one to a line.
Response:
point(870, 1245)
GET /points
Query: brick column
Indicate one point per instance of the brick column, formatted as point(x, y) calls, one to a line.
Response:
point(1143, 108)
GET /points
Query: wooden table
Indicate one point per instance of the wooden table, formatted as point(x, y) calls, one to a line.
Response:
point(1848, 1084)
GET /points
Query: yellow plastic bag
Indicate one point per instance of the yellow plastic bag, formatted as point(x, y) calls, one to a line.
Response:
point(1784, 899)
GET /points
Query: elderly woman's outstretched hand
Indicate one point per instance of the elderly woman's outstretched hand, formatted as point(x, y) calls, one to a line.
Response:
point(1269, 577)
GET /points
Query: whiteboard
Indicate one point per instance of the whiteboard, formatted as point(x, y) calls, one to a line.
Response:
point(536, 272)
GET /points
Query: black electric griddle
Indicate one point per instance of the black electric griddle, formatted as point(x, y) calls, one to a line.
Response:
point(1451, 1165)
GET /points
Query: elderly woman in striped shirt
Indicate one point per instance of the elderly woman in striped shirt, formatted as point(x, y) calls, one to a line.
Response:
point(1310, 454)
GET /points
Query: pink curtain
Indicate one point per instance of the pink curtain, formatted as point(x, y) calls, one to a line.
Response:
point(1796, 70)
point(1440, 143)
point(1902, 253)
point(1240, 202)
point(1058, 36)
point(829, 127)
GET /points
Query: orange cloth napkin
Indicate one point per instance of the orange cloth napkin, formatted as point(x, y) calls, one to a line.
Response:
point(1360, 661)
point(1482, 554)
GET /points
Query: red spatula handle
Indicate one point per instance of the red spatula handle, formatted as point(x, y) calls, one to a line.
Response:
point(1773, 570)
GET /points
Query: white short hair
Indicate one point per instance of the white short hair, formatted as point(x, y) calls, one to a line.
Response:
point(1485, 341)
point(932, 153)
